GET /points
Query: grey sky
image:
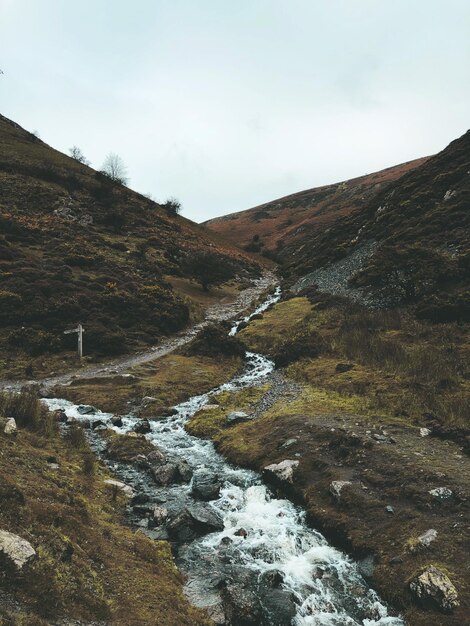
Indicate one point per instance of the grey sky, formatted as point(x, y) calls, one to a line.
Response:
point(226, 104)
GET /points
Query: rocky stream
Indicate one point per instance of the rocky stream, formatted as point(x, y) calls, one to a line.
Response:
point(248, 556)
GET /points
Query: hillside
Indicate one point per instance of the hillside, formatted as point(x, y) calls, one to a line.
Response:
point(77, 247)
point(293, 219)
point(417, 231)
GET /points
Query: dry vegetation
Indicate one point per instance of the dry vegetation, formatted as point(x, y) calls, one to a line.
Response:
point(77, 247)
point(89, 567)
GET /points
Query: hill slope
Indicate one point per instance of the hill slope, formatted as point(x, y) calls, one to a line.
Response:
point(74, 246)
point(292, 219)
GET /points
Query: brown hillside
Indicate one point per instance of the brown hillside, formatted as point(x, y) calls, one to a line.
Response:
point(287, 219)
point(76, 247)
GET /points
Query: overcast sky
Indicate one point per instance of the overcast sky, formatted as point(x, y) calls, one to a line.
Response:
point(226, 104)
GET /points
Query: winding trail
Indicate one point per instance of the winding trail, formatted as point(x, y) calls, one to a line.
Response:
point(218, 312)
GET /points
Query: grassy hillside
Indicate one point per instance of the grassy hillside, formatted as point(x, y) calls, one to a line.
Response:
point(292, 220)
point(74, 246)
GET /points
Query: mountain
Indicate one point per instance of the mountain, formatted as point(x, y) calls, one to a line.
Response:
point(400, 236)
point(77, 247)
point(294, 218)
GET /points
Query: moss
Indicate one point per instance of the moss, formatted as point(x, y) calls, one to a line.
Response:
point(170, 379)
point(126, 447)
point(207, 423)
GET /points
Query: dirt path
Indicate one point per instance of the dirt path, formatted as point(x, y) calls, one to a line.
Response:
point(218, 312)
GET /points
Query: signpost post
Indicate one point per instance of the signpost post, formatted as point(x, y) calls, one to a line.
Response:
point(79, 330)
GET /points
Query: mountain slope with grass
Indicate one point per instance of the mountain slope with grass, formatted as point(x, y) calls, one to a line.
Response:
point(77, 247)
point(293, 219)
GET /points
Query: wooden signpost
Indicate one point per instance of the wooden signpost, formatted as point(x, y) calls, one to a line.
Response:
point(79, 330)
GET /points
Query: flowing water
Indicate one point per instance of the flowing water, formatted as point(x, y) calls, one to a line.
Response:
point(320, 584)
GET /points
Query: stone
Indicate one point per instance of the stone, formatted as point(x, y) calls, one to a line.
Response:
point(96, 424)
point(441, 494)
point(236, 417)
point(117, 484)
point(10, 426)
point(424, 432)
point(289, 442)
point(336, 487)
point(390, 509)
point(194, 521)
point(434, 586)
point(17, 550)
point(142, 427)
point(184, 471)
point(116, 420)
point(159, 514)
point(165, 475)
point(241, 532)
point(343, 367)
point(86, 409)
point(427, 538)
point(210, 407)
point(156, 458)
point(205, 485)
point(283, 471)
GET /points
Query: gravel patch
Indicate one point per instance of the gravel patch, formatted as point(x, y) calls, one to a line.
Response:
point(334, 277)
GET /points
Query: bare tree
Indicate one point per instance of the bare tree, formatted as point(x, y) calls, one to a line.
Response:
point(78, 155)
point(115, 169)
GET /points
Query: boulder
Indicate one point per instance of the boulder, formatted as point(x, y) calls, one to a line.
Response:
point(143, 427)
point(97, 424)
point(432, 586)
point(343, 367)
point(10, 426)
point(283, 471)
point(86, 409)
point(241, 599)
point(17, 550)
point(424, 432)
point(194, 521)
point(165, 474)
point(205, 485)
point(236, 417)
point(156, 458)
point(184, 471)
point(116, 420)
point(117, 484)
point(336, 486)
point(210, 407)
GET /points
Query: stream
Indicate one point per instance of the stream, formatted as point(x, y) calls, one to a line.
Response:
point(261, 564)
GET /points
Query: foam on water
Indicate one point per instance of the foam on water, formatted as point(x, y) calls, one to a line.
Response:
point(327, 585)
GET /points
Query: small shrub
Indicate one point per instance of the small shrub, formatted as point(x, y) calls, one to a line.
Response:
point(75, 437)
point(24, 406)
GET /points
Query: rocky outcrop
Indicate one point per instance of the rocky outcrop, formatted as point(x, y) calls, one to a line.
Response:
point(15, 549)
point(433, 586)
point(283, 471)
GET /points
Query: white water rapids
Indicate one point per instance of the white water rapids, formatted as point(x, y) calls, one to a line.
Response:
point(326, 585)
